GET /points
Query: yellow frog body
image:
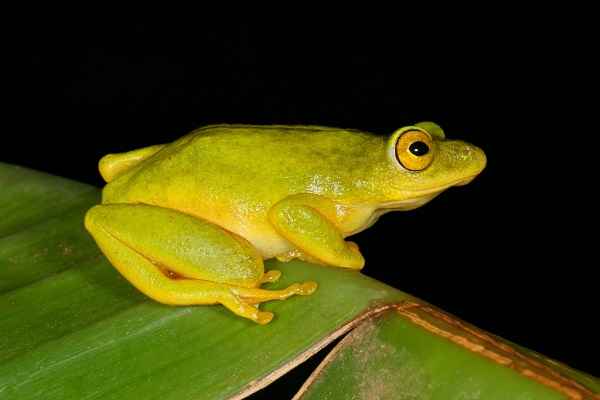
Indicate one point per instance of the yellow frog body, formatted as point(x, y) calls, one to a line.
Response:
point(191, 222)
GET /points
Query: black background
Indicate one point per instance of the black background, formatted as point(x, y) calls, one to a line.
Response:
point(508, 253)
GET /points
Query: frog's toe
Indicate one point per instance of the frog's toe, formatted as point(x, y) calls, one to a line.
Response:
point(303, 289)
point(255, 295)
point(271, 276)
point(264, 317)
point(307, 288)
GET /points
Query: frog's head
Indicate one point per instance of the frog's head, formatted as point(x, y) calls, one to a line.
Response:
point(420, 163)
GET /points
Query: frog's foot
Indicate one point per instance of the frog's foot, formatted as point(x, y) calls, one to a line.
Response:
point(271, 276)
point(246, 310)
point(240, 300)
point(255, 295)
point(244, 301)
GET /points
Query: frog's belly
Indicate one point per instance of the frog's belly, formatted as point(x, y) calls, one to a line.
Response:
point(271, 246)
point(256, 229)
point(263, 237)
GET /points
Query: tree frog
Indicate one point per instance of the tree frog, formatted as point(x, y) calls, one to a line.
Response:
point(190, 222)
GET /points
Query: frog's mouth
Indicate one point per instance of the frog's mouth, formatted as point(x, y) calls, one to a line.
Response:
point(407, 204)
point(417, 198)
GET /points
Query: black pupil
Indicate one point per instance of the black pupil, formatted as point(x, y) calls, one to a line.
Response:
point(419, 148)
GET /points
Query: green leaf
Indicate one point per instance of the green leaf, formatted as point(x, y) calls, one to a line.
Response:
point(414, 351)
point(73, 328)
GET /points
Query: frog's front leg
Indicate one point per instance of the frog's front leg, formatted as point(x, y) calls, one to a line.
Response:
point(178, 259)
point(308, 221)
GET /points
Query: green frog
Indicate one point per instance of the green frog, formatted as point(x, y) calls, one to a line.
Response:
point(190, 222)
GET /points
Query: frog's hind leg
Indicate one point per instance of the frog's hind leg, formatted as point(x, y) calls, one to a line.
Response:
point(178, 259)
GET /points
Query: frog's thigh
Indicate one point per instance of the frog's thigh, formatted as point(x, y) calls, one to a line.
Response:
point(188, 246)
point(305, 221)
point(124, 232)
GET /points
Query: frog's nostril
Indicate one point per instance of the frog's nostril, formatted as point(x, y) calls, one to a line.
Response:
point(467, 152)
point(479, 155)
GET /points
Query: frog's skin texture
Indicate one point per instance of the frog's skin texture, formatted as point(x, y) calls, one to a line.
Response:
point(191, 222)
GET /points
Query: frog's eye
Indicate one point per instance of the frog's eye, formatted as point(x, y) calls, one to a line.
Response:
point(414, 150)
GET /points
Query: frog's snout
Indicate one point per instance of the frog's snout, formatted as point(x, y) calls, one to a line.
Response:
point(473, 160)
point(480, 159)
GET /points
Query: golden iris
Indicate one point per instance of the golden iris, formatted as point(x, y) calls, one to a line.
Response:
point(414, 150)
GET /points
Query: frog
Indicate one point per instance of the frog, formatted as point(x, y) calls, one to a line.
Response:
point(191, 222)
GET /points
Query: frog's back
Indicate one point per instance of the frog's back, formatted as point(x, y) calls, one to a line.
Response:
point(242, 155)
point(245, 161)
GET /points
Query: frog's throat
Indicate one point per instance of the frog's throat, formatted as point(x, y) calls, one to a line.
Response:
point(407, 204)
point(417, 198)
